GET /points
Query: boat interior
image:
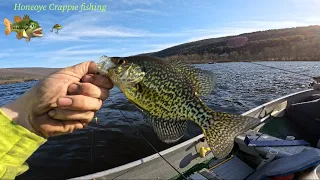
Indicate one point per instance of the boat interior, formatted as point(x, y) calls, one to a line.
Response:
point(285, 145)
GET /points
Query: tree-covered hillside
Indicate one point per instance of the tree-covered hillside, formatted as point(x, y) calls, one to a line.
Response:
point(300, 43)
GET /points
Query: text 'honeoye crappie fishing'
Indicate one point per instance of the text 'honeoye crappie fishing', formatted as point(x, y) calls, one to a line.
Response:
point(61, 7)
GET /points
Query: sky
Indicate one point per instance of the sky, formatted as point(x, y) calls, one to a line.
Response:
point(130, 27)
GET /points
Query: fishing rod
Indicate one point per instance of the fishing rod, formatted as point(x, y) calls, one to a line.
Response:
point(282, 69)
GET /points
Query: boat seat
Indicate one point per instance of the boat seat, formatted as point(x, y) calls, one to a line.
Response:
point(288, 165)
point(234, 168)
point(282, 151)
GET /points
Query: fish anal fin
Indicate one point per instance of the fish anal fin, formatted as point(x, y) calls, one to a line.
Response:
point(17, 19)
point(168, 131)
point(8, 26)
point(204, 81)
point(223, 129)
point(19, 35)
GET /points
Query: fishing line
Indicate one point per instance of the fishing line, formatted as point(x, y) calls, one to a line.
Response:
point(148, 143)
point(280, 69)
point(91, 150)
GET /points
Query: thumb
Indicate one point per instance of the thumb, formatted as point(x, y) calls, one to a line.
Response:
point(79, 70)
point(46, 126)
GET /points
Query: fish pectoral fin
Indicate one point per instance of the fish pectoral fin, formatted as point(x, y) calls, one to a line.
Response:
point(19, 35)
point(168, 131)
point(28, 39)
point(221, 132)
point(204, 81)
point(17, 19)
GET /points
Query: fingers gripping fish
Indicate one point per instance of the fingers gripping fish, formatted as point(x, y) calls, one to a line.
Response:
point(168, 95)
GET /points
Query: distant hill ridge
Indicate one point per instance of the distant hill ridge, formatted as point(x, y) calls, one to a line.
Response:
point(299, 43)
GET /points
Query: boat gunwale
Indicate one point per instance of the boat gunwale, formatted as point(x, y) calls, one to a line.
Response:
point(140, 161)
point(274, 101)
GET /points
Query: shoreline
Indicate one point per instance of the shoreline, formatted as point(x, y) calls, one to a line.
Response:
point(19, 75)
point(22, 79)
point(14, 81)
point(228, 61)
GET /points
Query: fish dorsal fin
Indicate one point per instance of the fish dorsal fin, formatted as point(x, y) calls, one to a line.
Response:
point(17, 19)
point(204, 81)
point(26, 17)
point(168, 131)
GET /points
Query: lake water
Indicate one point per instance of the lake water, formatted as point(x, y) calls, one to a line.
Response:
point(113, 142)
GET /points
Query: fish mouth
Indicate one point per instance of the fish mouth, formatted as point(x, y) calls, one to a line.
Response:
point(37, 32)
point(124, 76)
point(105, 64)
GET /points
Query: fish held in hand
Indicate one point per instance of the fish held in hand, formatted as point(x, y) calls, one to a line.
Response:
point(168, 94)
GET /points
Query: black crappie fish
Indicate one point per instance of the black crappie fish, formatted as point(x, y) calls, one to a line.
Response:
point(168, 94)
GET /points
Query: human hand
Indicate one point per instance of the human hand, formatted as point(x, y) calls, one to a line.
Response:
point(60, 103)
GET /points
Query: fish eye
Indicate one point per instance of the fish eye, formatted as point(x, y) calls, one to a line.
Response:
point(32, 26)
point(121, 61)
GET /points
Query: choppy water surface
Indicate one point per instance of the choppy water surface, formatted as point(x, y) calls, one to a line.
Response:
point(112, 142)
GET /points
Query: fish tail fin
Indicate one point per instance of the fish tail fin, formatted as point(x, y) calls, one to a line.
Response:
point(8, 26)
point(221, 131)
